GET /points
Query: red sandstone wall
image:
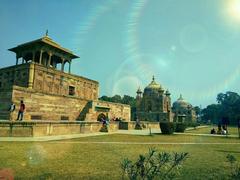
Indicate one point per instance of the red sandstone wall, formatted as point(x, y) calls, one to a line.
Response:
point(48, 107)
point(49, 80)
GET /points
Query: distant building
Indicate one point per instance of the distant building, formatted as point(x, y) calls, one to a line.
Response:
point(42, 79)
point(154, 104)
point(183, 111)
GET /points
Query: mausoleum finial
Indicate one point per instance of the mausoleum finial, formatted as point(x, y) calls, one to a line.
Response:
point(46, 33)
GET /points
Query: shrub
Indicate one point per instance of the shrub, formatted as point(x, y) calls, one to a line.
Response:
point(180, 127)
point(235, 167)
point(144, 125)
point(154, 165)
point(167, 127)
point(138, 126)
point(104, 128)
point(192, 124)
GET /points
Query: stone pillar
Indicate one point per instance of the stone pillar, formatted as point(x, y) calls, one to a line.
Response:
point(40, 57)
point(49, 59)
point(69, 70)
point(16, 59)
point(31, 76)
point(62, 69)
point(22, 60)
point(33, 58)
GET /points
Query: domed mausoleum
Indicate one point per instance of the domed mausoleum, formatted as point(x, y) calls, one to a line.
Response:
point(183, 111)
point(154, 104)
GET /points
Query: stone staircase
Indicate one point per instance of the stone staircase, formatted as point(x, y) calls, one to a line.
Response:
point(4, 115)
point(86, 113)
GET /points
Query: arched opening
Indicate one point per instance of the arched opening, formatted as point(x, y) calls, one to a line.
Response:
point(28, 57)
point(101, 117)
point(66, 66)
point(37, 57)
point(45, 58)
point(56, 62)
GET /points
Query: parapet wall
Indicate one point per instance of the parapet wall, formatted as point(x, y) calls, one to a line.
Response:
point(14, 75)
point(144, 124)
point(34, 129)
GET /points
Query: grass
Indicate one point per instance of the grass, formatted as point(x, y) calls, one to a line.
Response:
point(206, 130)
point(78, 159)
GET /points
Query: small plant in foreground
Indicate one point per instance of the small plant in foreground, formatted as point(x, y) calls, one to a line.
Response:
point(154, 165)
point(235, 167)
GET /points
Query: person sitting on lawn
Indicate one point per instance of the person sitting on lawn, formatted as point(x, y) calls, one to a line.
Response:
point(213, 131)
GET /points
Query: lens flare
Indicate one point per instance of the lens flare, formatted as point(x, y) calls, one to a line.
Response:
point(233, 9)
point(85, 26)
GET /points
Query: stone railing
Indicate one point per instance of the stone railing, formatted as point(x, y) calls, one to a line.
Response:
point(49, 128)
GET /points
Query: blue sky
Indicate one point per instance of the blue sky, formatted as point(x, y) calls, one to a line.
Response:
point(192, 47)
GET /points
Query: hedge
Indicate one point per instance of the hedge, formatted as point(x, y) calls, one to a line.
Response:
point(167, 127)
point(180, 127)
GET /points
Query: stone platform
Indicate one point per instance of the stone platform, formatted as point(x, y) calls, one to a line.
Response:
point(144, 124)
point(50, 128)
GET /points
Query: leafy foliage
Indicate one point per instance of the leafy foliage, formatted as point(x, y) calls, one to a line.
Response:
point(180, 127)
point(235, 167)
point(138, 126)
point(228, 107)
point(104, 128)
point(167, 127)
point(159, 165)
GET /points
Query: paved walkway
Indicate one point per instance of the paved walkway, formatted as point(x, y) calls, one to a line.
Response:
point(144, 143)
point(52, 138)
point(72, 136)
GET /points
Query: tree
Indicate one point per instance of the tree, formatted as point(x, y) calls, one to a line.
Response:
point(212, 112)
point(105, 98)
point(129, 100)
point(117, 99)
point(197, 109)
point(229, 102)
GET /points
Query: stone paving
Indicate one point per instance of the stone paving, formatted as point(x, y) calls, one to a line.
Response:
point(72, 136)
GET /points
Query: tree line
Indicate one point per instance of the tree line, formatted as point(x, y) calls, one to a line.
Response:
point(226, 109)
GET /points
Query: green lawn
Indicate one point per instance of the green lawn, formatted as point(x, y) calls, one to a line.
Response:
point(78, 159)
point(206, 130)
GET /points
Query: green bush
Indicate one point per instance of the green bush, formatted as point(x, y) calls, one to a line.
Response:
point(144, 126)
point(104, 128)
point(167, 127)
point(138, 126)
point(192, 124)
point(154, 165)
point(180, 127)
point(234, 167)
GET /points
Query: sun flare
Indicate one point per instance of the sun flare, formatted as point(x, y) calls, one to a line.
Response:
point(233, 9)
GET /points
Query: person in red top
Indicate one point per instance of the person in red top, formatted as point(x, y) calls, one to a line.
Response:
point(21, 111)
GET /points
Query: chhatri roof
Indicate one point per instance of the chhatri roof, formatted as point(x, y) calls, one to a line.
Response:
point(45, 40)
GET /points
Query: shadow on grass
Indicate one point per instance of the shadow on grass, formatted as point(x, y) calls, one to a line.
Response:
point(225, 151)
point(160, 134)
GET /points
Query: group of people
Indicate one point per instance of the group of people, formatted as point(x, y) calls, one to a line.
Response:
point(116, 119)
point(221, 130)
point(106, 120)
point(20, 111)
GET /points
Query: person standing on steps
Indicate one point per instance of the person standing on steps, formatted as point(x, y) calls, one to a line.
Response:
point(21, 111)
point(11, 110)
